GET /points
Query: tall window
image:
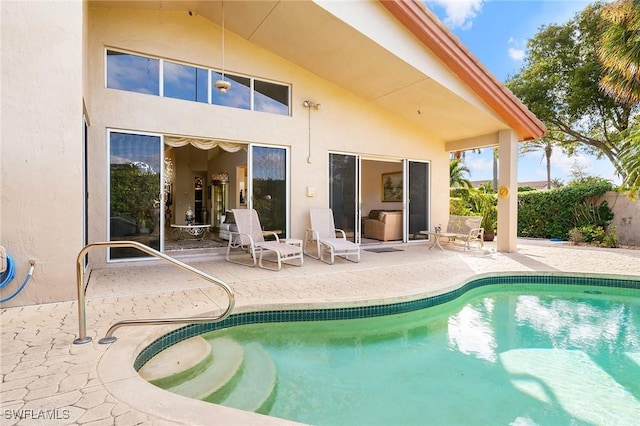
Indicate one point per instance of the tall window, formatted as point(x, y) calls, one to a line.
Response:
point(269, 171)
point(134, 191)
point(133, 73)
point(185, 82)
point(343, 191)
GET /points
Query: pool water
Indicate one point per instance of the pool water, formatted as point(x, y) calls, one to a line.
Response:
point(498, 355)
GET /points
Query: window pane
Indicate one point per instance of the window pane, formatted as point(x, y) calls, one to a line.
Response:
point(270, 97)
point(134, 191)
point(418, 199)
point(132, 73)
point(185, 82)
point(343, 184)
point(270, 188)
point(238, 96)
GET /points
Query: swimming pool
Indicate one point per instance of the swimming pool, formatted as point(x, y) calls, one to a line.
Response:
point(503, 350)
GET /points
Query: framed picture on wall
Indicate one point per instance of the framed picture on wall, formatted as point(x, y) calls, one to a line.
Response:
point(392, 186)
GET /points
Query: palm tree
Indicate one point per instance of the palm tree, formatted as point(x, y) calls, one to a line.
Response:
point(457, 171)
point(545, 145)
point(619, 51)
point(630, 159)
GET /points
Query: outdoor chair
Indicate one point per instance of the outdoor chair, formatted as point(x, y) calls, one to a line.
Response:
point(250, 237)
point(323, 235)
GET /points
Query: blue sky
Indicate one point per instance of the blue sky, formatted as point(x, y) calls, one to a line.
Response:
point(496, 32)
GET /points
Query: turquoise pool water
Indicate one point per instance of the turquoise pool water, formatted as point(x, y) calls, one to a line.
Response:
point(497, 356)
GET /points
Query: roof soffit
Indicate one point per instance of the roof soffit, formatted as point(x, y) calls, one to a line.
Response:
point(305, 33)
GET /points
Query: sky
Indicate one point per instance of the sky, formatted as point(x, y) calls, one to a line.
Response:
point(496, 32)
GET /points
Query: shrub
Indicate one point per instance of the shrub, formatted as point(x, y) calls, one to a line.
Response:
point(459, 207)
point(611, 238)
point(553, 213)
point(575, 236)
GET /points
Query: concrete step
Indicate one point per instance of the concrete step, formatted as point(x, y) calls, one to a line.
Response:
point(227, 361)
point(257, 383)
point(178, 363)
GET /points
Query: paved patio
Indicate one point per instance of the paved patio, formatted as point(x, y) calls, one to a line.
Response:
point(46, 379)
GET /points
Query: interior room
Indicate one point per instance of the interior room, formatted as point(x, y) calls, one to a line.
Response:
point(381, 208)
point(201, 186)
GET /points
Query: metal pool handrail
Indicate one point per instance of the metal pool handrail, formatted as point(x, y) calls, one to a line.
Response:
point(109, 338)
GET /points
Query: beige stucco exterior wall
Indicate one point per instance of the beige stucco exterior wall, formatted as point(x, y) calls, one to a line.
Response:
point(626, 217)
point(53, 70)
point(342, 123)
point(41, 213)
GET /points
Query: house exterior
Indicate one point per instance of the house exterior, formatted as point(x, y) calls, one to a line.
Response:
point(113, 127)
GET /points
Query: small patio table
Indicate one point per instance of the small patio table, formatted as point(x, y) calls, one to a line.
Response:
point(436, 238)
point(198, 231)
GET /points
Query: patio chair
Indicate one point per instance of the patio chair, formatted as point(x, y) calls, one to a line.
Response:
point(250, 237)
point(324, 233)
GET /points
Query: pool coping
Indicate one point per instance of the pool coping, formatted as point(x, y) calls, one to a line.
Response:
point(116, 366)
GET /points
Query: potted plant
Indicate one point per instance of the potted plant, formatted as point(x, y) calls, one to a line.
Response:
point(489, 220)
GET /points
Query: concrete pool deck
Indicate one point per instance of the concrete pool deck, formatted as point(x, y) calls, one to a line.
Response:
point(46, 379)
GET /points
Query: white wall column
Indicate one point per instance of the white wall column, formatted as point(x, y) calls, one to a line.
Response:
point(507, 178)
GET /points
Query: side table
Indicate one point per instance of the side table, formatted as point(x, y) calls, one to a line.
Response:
point(436, 238)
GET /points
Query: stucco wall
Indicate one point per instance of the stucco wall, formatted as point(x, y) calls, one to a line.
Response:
point(342, 123)
point(626, 217)
point(41, 204)
point(53, 57)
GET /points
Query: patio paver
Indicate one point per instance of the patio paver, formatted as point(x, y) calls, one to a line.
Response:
point(44, 374)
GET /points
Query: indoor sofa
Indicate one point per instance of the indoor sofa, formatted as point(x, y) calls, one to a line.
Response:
point(383, 225)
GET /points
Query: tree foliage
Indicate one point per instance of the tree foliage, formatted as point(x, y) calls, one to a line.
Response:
point(134, 193)
point(553, 213)
point(546, 146)
point(619, 51)
point(560, 83)
point(458, 175)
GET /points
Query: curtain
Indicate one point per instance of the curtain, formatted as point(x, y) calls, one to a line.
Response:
point(175, 142)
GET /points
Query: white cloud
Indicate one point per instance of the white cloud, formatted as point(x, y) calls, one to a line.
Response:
point(516, 54)
point(480, 165)
point(516, 51)
point(460, 13)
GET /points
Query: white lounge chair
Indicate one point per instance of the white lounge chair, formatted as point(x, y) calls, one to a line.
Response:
point(323, 235)
point(250, 237)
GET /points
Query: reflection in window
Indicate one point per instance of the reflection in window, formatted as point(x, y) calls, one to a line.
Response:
point(270, 97)
point(134, 188)
point(133, 73)
point(239, 96)
point(185, 82)
point(270, 188)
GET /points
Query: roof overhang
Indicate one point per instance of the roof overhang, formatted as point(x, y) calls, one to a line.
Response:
point(426, 27)
point(335, 43)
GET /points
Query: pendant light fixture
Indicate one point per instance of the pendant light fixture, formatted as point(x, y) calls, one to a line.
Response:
point(222, 85)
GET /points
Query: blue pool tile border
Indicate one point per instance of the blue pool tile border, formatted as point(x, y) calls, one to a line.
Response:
point(328, 314)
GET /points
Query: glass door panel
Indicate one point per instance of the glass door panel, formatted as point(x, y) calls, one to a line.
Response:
point(418, 201)
point(343, 193)
point(134, 192)
point(269, 171)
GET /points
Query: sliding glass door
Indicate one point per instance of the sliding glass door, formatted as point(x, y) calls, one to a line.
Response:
point(344, 184)
point(134, 191)
point(417, 198)
point(268, 176)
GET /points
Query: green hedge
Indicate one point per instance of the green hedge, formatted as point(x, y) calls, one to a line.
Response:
point(553, 213)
